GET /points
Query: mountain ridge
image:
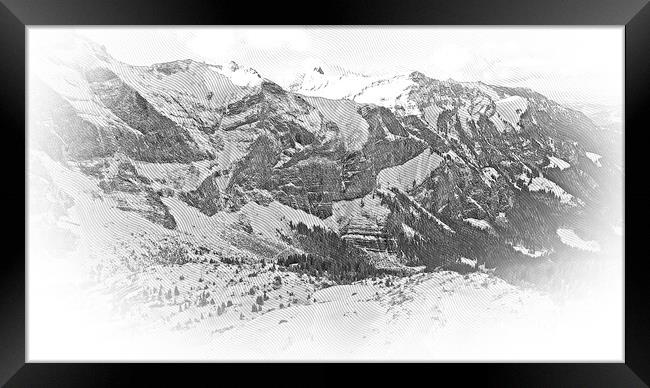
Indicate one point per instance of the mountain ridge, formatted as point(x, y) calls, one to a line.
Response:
point(479, 158)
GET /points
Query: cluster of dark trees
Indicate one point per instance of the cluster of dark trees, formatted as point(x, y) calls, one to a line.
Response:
point(432, 245)
point(259, 301)
point(231, 260)
point(160, 295)
point(436, 247)
point(531, 222)
point(171, 253)
point(328, 255)
point(204, 299)
point(221, 309)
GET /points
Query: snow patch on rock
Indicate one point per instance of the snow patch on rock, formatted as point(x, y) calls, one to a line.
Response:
point(543, 184)
point(570, 238)
point(555, 162)
point(511, 108)
point(410, 232)
point(414, 171)
point(480, 224)
point(528, 251)
point(594, 158)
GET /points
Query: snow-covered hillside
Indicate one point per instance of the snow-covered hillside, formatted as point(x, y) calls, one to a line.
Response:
point(410, 174)
point(434, 316)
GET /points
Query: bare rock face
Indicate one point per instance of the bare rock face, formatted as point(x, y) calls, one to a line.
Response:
point(207, 197)
point(310, 185)
point(57, 129)
point(120, 182)
point(162, 140)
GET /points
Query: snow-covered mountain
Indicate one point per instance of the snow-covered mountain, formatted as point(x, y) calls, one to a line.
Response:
point(469, 156)
point(342, 177)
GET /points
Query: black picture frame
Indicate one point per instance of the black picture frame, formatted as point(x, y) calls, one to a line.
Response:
point(15, 15)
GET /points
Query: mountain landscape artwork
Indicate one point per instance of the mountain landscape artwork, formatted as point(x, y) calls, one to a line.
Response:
point(296, 193)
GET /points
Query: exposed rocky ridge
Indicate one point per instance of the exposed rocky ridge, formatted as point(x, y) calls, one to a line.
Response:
point(119, 181)
point(162, 140)
point(514, 166)
point(62, 133)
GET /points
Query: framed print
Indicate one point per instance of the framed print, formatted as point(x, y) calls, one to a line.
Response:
point(226, 191)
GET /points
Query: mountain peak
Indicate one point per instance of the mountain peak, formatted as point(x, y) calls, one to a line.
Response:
point(232, 66)
point(417, 76)
point(241, 76)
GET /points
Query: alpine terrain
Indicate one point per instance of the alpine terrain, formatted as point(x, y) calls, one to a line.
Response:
point(210, 206)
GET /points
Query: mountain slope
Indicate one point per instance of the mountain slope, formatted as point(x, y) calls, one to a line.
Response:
point(412, 169)
point(508, 153)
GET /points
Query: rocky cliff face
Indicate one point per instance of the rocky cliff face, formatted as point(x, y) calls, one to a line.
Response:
point(423, 169)
point(160, 139)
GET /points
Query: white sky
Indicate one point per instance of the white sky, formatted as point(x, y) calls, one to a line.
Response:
point(567, 64)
